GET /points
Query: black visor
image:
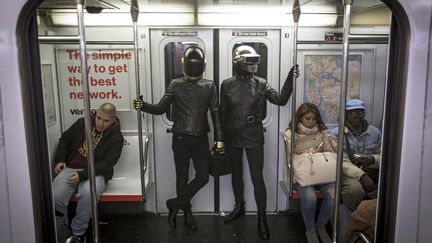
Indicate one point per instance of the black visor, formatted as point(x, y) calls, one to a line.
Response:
point(251, 59)
point(193, 62)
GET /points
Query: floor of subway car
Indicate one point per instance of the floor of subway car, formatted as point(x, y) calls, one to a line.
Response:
point(284, 227)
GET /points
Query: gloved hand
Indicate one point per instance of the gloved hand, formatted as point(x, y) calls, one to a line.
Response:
point(138, 103)
point(367, 183)
point(219, 146)
point(294, 71)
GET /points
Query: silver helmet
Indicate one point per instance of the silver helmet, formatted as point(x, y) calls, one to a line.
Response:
point(246, 58)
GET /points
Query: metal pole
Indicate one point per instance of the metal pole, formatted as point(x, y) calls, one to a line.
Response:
point(343, 94)
point(296, 17)
point(134, 10)
point(87, 117)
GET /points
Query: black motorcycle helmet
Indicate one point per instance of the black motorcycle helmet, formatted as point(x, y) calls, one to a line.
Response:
point(193, 62)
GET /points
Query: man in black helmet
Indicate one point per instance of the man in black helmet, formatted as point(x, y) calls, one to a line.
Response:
point(191, 97)
point(243, 98)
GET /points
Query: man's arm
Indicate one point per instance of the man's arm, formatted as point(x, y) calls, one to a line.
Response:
point(214, 111)
point(65, 141)
point(348, 168)
point(110, 158)
point(377, 153)
point(222, 107)
point(281, 99)
point(161, 107)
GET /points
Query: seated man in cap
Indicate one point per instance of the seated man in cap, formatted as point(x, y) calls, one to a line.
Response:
point(362, 148)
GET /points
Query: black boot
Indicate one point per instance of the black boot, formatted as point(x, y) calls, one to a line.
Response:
point(237, 212)
point(172, 212)
point(263, 230)
point(189, 220)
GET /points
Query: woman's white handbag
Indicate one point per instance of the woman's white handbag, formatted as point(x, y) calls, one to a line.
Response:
point(314, 169)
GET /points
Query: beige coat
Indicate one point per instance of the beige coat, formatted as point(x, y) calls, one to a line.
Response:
point(308, 142)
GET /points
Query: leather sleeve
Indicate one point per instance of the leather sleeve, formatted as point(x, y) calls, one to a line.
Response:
point(280, 98)
point(223, 105)
point(214, 110)
point(163, 105)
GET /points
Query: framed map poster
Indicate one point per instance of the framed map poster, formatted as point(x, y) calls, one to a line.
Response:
point(322, 82)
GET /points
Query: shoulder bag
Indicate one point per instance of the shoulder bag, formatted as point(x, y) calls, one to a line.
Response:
point(314, 169)
point(220, 163)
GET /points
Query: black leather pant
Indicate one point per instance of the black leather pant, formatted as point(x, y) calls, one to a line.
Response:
point(255, 157)
point(186, 147)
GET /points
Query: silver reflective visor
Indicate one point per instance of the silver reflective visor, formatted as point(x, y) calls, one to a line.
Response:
point(250, 59)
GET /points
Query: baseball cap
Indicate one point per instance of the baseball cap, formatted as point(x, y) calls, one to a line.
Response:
point(354, 104)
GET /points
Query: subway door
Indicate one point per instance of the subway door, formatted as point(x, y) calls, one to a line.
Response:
point(266, 43)
point(167, 48)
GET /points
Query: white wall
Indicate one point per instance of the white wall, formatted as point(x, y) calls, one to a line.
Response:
point(15, 196)
point(414, 216)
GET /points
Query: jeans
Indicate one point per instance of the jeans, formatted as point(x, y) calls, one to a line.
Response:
point(186, 147)
point(63, 191)
point(255, 157)
point(308, 203)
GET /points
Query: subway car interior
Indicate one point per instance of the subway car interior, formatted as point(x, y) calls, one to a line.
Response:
point(375, 51)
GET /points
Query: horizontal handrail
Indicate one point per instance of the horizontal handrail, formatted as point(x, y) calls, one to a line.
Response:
point(71, 39)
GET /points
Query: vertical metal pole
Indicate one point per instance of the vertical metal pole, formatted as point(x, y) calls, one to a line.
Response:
point(87, 117)
point(343, 94)
point(296, 16)
point(134, 14)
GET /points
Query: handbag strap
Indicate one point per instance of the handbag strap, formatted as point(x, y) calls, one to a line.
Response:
point(311, 171)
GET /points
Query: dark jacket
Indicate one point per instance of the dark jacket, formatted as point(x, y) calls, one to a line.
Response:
point(191, 101)
point(106, 153)
point(243, 99)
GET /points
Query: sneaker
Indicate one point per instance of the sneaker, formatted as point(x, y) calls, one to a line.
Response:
point(76, 239)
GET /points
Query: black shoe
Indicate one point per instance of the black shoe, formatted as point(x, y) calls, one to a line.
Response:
point(263, 230)
point(172, 212)
point(76, 239)
point(189, 220)
point(237, 212)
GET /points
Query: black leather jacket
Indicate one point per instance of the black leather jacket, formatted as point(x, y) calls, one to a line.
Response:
point(191, 101)
point(243, 99)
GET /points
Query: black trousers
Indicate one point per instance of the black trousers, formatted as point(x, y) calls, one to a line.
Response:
point(255, 157)
point(186, 147)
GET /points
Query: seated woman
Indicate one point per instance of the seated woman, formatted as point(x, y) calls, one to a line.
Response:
point(311, 137)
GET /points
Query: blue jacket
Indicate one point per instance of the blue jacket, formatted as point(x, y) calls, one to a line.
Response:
point(368, 143)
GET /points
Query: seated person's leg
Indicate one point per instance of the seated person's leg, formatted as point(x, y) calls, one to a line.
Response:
point(344, 218)
point(352, 192)
point(62, 192)
point(308, 203)
point(83, 211)
point(327, 205)
point(326, 210)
